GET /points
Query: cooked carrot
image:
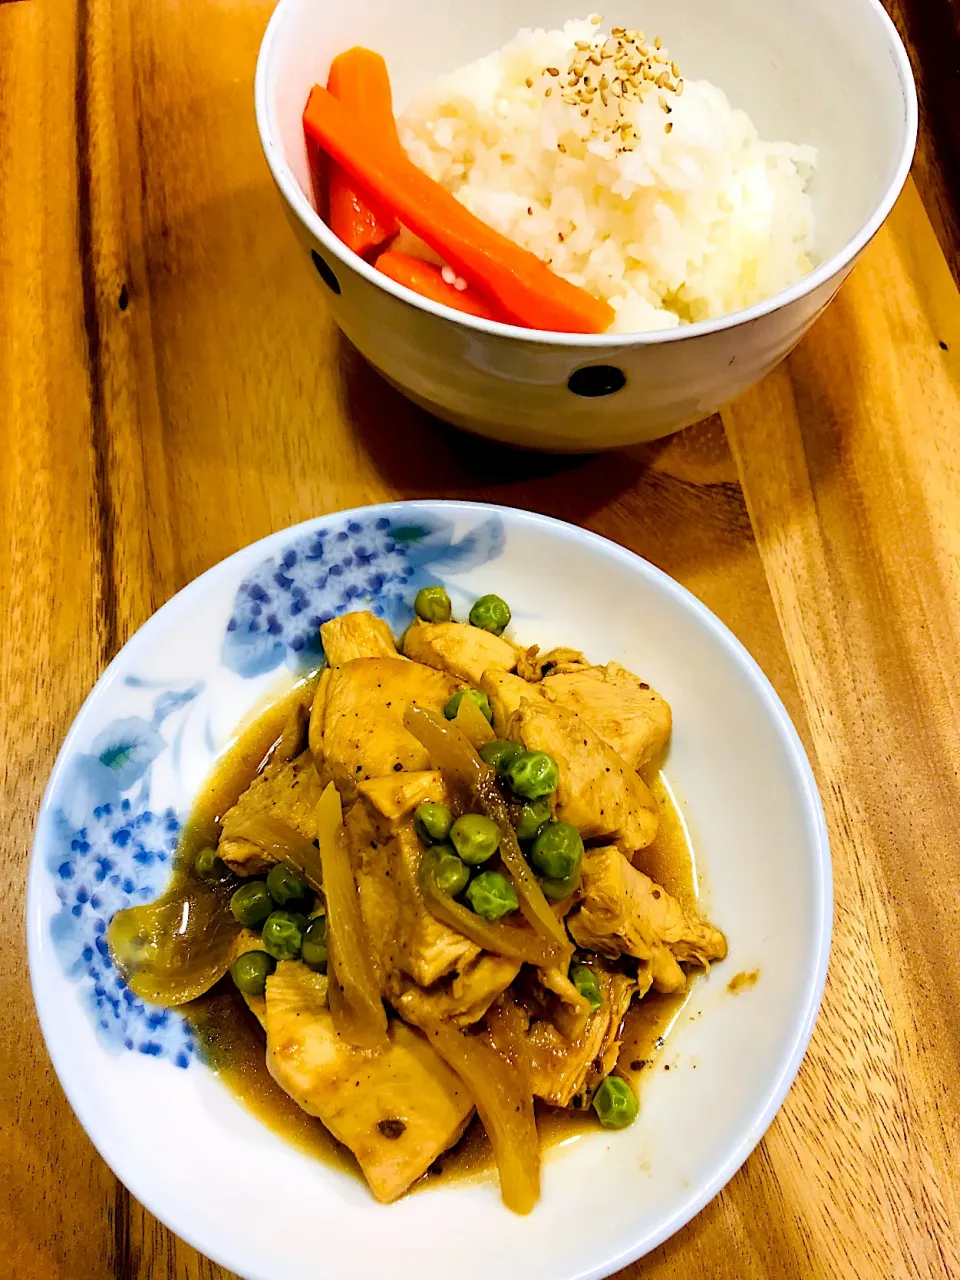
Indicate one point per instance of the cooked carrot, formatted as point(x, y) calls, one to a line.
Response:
point(522, 288)
point(427, 280)
point(358, 78)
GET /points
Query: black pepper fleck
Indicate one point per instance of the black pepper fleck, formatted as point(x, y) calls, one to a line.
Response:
point(943, 346)
point(391, 1128)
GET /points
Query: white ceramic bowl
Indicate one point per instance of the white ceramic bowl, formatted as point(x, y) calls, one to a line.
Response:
point(145, 739)
point(814, 71)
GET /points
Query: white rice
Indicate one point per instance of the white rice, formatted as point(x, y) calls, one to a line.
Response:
point(693, 223)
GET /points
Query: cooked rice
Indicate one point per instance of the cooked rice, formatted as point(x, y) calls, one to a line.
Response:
point(656, 195)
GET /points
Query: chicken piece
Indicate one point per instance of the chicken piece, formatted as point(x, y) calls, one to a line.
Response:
point(534, 665)
point(462, 651)
point(505, 693)
point(622, 910)
point(246, 940)
point(598, 793)
point(565, 1071)
point(287, 791)
point(464, 998)
point(356, 635)
point(396, 1108)
point(371, 860)
point(573, 1009)
point(397, 796)
point(356, 727)
point(627, 714)
point(408, 941)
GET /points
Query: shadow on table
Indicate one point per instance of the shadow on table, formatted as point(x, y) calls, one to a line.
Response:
point(419, 456)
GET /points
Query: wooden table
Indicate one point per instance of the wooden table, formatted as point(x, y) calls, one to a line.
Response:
point(173, 388)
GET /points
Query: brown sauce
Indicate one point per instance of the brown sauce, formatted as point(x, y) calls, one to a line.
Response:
point(233, 1040)
point(743, 981)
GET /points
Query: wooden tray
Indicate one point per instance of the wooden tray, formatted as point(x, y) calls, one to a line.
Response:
point(173, 388)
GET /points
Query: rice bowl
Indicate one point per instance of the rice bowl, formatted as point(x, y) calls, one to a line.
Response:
point(571, 391)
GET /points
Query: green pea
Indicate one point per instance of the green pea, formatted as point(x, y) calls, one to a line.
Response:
point(585, 980)
point(533, 774)
point(475, 837)
point(615, 1103)
point(251, 903)
point(557, 851)
point(209, 866)
point(285, 885)
point(533, 815)
point(447, 869)
point(481, 699)
point(313, 952)
point(283, 934)
point(490, 613)
point(433, 605)
point(492, 895)
point(432, 822)
point(559, 890)
point(251, 971)
point(499, 753)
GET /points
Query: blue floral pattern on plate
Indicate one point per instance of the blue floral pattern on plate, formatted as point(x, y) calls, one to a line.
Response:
point(365, 562)
point(112, 849)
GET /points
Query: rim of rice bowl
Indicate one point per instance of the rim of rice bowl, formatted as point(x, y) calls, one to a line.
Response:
point(292, 191)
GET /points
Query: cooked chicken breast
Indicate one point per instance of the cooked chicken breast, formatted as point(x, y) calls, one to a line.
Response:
point(461, 650)
point(603, 797)
point(622, 910)
point(505, 693)
point(287, 791)
point(356, 635)
point(534, 665)
point(625, 712)
point(464, 997)
point(564, 1070)
point(409, 943)
point(396, 1108)
point(356, 727)
point(573, 1009)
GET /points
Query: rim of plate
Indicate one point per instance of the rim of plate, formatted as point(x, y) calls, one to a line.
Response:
point(308, 216)
point(122, 1160)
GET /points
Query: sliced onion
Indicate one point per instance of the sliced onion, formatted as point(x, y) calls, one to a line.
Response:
point(172, 951)
point(281, 842)
point(502, 1097)
point(502, 939)
point(473, 724)
point(355, 1002)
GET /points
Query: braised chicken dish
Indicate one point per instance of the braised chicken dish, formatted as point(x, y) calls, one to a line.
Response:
point(431, 894)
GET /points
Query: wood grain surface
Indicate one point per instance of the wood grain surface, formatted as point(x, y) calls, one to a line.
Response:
point(172, 387)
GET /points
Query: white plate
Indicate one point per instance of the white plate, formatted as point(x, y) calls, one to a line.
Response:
point(146, 738)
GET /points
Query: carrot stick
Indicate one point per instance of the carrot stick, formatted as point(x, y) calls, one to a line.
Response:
point(426, 279)
point(358, 78)
point(524, 290)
